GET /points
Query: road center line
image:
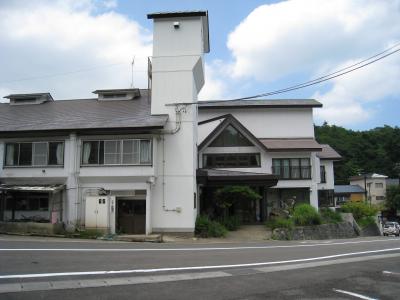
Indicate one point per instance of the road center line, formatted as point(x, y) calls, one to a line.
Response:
point(354, 294)
point(192, 249)
point(192, 268)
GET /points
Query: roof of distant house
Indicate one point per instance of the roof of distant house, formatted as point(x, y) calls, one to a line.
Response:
point(368, 176)
point(348, 189)
point(266, 103)
point(80, 114)
point(392, 181)
point(328, 153)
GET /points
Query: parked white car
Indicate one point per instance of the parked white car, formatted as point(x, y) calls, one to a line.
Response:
point(391, 228)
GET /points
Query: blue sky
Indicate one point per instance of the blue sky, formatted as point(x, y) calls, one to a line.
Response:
point(71, 47)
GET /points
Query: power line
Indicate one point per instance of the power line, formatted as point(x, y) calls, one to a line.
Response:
point(327, 76)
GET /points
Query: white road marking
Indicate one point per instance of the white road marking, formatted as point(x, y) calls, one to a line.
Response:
point(354, 294)
point(193, 268)
point(193, 249)
point(91, 283)
point(391, 273)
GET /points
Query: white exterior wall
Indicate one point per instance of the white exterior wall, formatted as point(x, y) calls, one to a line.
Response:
point(329, 175)
point(265, 122)
point(80, 180)
point(372, 190)
point(177, 76)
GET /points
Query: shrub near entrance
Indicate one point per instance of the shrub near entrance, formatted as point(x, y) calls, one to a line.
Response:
point(305, 214)
point(207, 228)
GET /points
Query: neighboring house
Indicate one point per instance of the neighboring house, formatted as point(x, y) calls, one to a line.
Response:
point(345, 193)
point(375, 184)
point(148, 160)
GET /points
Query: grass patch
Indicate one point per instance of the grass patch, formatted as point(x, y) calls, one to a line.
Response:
point(366, 221)
point(305, 215)
point(279, 223)
point(207, 228)
point(329, 216)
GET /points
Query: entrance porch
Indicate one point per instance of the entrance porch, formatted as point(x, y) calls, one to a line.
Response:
point(249, 212)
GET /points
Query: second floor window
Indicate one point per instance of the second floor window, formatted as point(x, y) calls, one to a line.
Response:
point(117, 152)
point(292, 168)
point(34, 154)
point(323, 174)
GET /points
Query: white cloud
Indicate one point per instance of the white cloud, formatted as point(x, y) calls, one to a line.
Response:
point(307, 38)
point(53, 37)
point(215, 87)
point(346, 101)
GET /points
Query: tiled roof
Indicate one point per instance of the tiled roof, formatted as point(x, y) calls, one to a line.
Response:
point(328, 153)
point(348, 189)
point(80, 114)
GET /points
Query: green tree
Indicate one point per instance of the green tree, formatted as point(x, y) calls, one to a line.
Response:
point(393, 198)
point(227, 196)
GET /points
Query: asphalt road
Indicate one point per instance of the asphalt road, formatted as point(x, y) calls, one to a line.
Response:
point(36, 268)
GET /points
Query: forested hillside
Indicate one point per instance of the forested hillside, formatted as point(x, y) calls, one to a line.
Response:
point(373, 151)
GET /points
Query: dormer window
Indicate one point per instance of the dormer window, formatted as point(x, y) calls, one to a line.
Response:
point(23, 99)
point(117, 94)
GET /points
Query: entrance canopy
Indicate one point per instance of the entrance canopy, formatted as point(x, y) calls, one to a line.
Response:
point(32, 188)
point(218, 177)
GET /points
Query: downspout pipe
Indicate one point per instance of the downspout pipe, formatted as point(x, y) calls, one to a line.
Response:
point(179, 109)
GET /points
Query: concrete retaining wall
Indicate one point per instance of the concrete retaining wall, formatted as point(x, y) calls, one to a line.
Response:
point(318, 232)
point(30, 227)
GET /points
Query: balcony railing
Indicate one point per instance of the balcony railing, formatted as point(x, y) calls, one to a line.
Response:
point(287, 172)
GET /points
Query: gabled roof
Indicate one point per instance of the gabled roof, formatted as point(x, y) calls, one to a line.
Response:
point(348, 189)
point(228, 119)
point(82, 114)
point(264, 103)
point(291, 144)
point(328, 153)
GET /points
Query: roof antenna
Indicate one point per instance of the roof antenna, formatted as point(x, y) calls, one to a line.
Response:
point(132, 64)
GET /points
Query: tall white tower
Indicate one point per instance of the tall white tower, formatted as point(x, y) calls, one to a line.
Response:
point(180, 40)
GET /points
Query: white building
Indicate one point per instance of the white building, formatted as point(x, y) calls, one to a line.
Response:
point(148, 160)
point(374, 185)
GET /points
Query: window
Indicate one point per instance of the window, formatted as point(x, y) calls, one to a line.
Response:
point(25, 201)
point(323, 174)
point(325, 198)
point(34, 154)
point(232, 160)
point(380, 197)
point(379, 185)
point(292, 168)
point(231, 137)
point(112, 152)
point(117, 152)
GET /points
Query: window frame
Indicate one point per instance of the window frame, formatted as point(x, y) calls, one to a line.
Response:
point(322, 171)
point(32, 165)
point(300, 166)
point(256, 154)
point(121, 149)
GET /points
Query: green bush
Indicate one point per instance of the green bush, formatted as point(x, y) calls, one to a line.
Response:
point(366, 221)
point(359, 209)
point(231, 223)
point(305, 214)
point(207, 228)
point(279, 223)
point(330, 216)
